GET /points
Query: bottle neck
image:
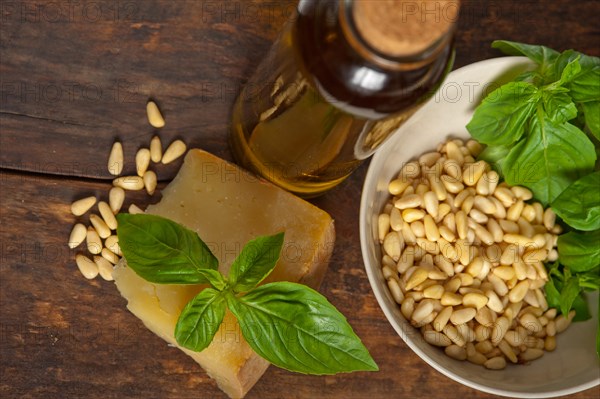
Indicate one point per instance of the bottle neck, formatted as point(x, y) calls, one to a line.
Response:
point(399, 34)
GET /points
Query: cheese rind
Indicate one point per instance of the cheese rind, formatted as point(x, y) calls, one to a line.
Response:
point(228, 207)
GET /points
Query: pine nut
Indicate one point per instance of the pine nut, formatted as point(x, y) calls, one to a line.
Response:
point(463, 252)
point(411, 215)
point(525, 228)
point(482, 187)
point(407, 307)
point(134, 209)
point(505, 195)
point(469, 335)
point(388, 273)
point(520, 240)
point(115, 159)
point(77, 235)
point(395, 291)
point(105, 268)
point(410, 170)
point(429, 158)
point(383, 226)
point(418, 228)
point(109, 256)
point(461, 224)
point(395, 220)
point(473, 172)
point(531, 354)
point(436, 338)
point(406, 260)
point(150, 181)
point(83, 205)
point(393, 244)
point(433, 291)
point(484, 205)
point(528, 213)
point(407, 233)
point(456, 352)
point(417, 277)
point(514, 212)
point(112, 243)
point(510, 255)
point(438, 188)
point(133, 183)
point(431, 230)
point(396, 187)
point(484, 235)
point(508, 226)
point(408, 201)
point(155, 149)
point(507, 351)
point(446, 233)
point(550, 343)
point(517, 293)
point(107, 215)
point(563, 322)
point(499, 329)
point(442, 318)
point(155, 118)
point(549, 218)
point(454, 153)
point(504, 272)
point(450, 299)
point(451, 184)
point(94, 244)
point(522, 193)
point(101, 227)
point(116, 196)
point(477, 358)
point(478, 216)
point(174, 151)
point(495, 363)
point(452, 333)
point(86, 266)
point(422, 310)
point(474, 147)
point(494, 302)
point(431, 203)
point(142, 161)
point(475, 300)
point(485, 316)
point(500, 210)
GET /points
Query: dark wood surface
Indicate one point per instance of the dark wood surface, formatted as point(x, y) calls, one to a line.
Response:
point(75, 76)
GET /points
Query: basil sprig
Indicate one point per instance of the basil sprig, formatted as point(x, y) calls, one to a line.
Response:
point(543, 131)
point(288, 324)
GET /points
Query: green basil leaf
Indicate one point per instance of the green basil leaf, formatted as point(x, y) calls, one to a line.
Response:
point(582, 310)
point(585, 85)
point(590, 280)
point(544, 56)
point(570, 71)
point(164, 252)
point(591, 111)
point(257, 259)
point(579, 251)
point(569, 292)
point(200, 319)
point(494, 155)
point(502, 116)
point(552, 293)
point(549, 159)
point(296, 328)
point(579, 204)
point(559, 107)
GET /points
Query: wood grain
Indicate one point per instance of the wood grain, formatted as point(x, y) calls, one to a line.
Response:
point(72, 80)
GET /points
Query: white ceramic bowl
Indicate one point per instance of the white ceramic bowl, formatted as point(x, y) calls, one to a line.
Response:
point(573, 366)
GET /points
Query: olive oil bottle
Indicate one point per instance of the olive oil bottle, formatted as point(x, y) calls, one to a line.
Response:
point(340, 78)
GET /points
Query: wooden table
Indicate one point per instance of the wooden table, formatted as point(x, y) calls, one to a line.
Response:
point(75, 76)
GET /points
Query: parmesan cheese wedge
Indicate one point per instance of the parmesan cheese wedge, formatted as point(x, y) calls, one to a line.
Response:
point(227, 207)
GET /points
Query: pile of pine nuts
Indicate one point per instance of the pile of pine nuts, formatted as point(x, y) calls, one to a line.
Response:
point(106, 254)
point(463, 256)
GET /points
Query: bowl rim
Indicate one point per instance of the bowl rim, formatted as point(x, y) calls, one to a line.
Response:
point(378, 288)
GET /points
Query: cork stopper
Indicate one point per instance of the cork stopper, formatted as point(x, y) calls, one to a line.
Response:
point(399, 28)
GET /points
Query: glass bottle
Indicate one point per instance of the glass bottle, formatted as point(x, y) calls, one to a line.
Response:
point(339, 79)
